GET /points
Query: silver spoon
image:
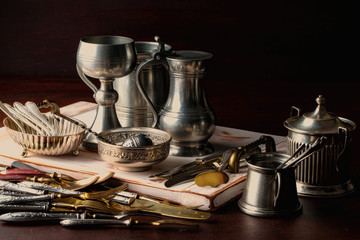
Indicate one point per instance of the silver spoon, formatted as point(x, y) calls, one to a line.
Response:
point(11, 116)
point(34, 110)
point(22, 110)
point(24, 119)
point(291, 162)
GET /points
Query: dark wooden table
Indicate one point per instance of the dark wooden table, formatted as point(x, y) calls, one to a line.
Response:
point(252, 105)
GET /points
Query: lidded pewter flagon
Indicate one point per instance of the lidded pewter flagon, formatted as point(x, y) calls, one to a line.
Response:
point(327, 172)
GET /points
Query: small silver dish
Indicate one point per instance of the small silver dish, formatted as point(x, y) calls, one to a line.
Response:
point(133, 159)
point(68, 141)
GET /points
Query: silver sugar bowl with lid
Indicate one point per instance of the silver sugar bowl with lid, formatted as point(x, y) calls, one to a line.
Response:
point(325, 173)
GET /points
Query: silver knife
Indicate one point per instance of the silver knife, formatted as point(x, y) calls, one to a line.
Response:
point(25, 199)
point(128, 223)
point(39, 216)
point(35, 207)
point(42, 186)
point(18, 188)
point(188, 166)
point(185, 176)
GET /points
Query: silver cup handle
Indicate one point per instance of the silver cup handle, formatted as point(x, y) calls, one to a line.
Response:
point(86, 80)
point(345, 145)
point(278, 187)
point(295, 111)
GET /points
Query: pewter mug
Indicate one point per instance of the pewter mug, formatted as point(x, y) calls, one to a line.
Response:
point(104, 58)
point(131, 108)
point(186, 114)
point(269, 192)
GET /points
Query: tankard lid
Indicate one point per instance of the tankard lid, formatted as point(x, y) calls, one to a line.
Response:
point(318, 121)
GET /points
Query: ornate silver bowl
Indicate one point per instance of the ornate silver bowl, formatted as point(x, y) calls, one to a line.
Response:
point(68, 141)
point(133, 158)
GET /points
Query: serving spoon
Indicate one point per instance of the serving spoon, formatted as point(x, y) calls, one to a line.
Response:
point(26, 113)
point(33, 109)
point(11, 116)
point(21, 117)
point(83, 183)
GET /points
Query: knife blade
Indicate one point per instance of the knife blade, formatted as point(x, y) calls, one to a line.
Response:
point(170, 210)
point(184, 176)
point(188, 166)
point(18, 164)
point(128, 223)
point(41, 186)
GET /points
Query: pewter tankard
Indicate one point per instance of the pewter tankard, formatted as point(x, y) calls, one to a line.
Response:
point(186, 115)
point(131, 108)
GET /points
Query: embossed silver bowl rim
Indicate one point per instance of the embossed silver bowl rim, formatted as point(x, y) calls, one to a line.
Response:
point(133, 158)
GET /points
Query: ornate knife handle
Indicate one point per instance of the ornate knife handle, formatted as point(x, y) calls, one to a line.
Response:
point(269, 142)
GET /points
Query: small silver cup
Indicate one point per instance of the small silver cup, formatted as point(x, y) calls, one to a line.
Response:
point(104, 58)
point(269, 192)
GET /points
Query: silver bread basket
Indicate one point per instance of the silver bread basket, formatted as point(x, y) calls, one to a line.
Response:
point(67, 141)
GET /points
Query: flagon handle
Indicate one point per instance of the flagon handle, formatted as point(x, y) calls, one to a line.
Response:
point(158, 56)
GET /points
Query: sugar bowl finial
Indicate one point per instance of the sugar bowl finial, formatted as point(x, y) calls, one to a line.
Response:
point(320, 100)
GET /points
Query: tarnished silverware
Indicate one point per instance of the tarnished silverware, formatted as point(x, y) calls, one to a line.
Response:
point(34, 207)
point(128, 223)
point(46, 187)
point(170, 210)
point(294, 160)
point(56, 176)
point(18, 188)
point(39, 216)
point(11, 116)
point(25, 120)
point(48, 128)
point(80, 184)
point(25, 199)
point(188, 175)
point(189, 166)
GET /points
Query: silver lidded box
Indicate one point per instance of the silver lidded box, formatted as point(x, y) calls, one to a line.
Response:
point(326, 173)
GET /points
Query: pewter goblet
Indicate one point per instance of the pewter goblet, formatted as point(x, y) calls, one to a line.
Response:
point(104, 58)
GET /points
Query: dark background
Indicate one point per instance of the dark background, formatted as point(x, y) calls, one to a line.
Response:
point(267, 55)
point(250, 40)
